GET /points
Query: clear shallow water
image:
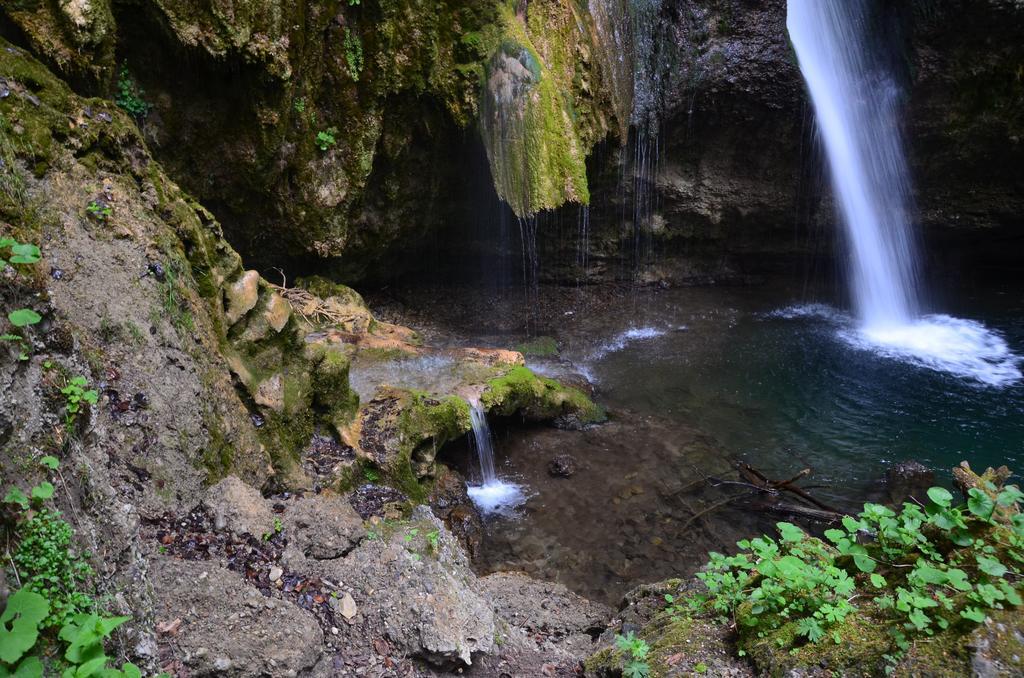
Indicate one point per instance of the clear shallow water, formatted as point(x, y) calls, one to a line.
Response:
point(696, 377)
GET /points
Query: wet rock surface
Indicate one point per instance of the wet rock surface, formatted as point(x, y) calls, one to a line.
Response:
point(563, 466)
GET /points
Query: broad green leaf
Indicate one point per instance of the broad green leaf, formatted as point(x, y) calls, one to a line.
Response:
point(961, 537)
point(835, 536)
point(1009, 496)
point(16, 496)
point(863, 563)
point(940, 496)
point(42, 491)
point(974, 614)
point(24, 253)
point(979, 503)
point(930, 575)
point(958, 579)
point(19, 624)
point(878, 581)
point(852, 525)
point(990, 566)
point(24, 317)
point(790, 567)
point(790, 532)
point(49, 462)
point(30, 667)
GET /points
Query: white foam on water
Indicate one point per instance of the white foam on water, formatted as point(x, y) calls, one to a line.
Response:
point(795, 311)
point(624, 339)
point(964, 348)
point(497, 497)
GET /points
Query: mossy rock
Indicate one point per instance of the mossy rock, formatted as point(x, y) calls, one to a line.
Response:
point(520, 391)
point(401, 432)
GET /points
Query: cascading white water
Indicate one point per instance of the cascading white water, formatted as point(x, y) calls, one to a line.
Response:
point(492, 495)
point(856, 111)
point(856, 106)
point(483, 442)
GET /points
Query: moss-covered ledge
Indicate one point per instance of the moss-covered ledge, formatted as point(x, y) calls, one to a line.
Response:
point(520, 391)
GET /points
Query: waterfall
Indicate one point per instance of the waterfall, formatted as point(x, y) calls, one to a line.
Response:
point(856, 110)
point(855, 102)
point(492, 495)
point(483, 443)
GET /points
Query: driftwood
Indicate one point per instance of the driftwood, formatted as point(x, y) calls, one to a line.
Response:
point(758, 479)
point(767, 495)
point(990, 482)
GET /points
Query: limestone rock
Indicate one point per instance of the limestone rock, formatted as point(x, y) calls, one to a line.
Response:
point(239, 508)
point(241, 296)
point(322, 526)
point(543, 606)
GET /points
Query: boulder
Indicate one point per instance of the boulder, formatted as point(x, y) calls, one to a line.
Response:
point(322, 526)
point(239, 508)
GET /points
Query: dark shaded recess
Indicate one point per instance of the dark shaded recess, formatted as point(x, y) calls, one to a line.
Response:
point(204, 108)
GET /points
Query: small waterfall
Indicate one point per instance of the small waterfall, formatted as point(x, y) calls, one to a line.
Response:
point(857, 114)
point(492, 495)
point(483, 442)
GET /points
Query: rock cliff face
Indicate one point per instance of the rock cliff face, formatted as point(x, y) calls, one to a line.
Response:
point(338, 134)
point(732, 182)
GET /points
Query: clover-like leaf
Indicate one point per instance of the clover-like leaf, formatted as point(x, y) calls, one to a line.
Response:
point(24, 253)
point(991, 566)
point(42, 491)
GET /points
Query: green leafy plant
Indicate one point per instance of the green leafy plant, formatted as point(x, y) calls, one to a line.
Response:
point(636, 650)
point(48, 567)
point(100, 211)
point(353, 53)
point(19, 632)
point(434, 539)
point(299, 105)
point(325, 139)
point(926, 568)
point(83, 635)
point(130, 96)
point(17, 252)
point(76, 393)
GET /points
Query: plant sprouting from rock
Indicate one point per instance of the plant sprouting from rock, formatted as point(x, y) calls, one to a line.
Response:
point(636, 650)
point(16, 254)
point(325, 139)
point(353, 54)
point(76, 392)
point(99, 210)
point(130, 96)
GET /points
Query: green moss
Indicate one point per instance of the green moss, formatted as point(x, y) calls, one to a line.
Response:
point(331, 393)
point(324, 288)
point(541, 346)
point(864, 639)
point(426, 425)
point(539, 398)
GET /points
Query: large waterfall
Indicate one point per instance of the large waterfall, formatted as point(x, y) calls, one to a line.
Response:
point(855, 101)
point(856, 111)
